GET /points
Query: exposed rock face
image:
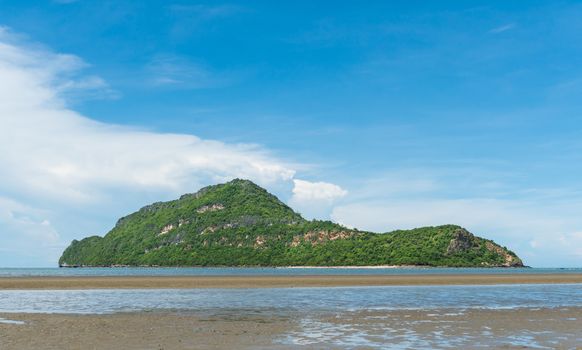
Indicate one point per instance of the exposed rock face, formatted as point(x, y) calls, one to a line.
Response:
point(463, 240)
point(166, 229)
point(319, 237)
point(209, 229)
point(213, 207)
point(510, 260)
point(260, 241)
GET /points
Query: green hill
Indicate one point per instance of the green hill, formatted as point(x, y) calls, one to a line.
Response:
point(241, 224)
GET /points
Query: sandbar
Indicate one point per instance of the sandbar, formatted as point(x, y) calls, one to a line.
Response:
point(188, 282)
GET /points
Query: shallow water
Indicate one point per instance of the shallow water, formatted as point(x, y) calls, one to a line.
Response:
point(5, 321)
point(443, 329)
point(266, 271)
point(292, 299)
point(397, 317)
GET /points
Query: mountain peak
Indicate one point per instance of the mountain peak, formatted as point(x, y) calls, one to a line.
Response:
point(242, 182)
point(239, 184)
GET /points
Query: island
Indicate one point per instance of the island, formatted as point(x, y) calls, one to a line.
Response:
point(239, 223)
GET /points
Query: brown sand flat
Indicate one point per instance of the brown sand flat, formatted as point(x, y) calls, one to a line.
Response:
point(127, 282)
point(140, 331)
point(533, 328)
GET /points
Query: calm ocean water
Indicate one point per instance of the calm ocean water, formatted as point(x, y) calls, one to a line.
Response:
point(250, 271)
point(289, 300)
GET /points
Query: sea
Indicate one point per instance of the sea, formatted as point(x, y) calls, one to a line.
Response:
point(372, 310)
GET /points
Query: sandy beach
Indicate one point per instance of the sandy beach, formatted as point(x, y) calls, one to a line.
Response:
point(469, 329)
point(129, 282)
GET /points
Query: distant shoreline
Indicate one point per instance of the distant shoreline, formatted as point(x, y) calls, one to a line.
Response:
point(302, 267)
point(193, 282)
point(400, 267)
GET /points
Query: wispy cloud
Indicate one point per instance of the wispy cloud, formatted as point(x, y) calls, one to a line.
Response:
point(205, 12)
point(167, 70)
point(190, 19)
point(65, 2)
point(69, 83)
point(26, 231)
point(502, 28)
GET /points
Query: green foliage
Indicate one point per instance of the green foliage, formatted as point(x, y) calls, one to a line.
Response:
point(241, 224)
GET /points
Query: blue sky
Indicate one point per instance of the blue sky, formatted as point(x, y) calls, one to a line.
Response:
point(384, 116)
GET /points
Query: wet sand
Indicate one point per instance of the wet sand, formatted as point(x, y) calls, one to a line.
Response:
point(143, 331)
point(244, 329)
point(139, 282)
point(523, 328)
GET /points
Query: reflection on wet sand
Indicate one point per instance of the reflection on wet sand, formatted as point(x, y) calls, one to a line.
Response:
point(552, 328)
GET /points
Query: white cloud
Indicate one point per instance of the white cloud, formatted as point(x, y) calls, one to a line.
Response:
point(315, 199)
point(316, 191)
point(54, 159)
point(55, 74)
point(50, 150)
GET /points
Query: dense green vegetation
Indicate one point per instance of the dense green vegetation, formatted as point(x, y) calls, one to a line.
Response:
point(241, 224)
